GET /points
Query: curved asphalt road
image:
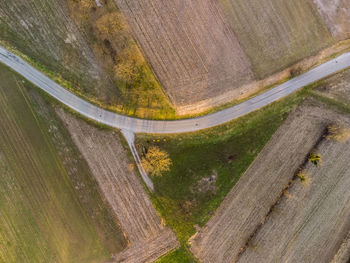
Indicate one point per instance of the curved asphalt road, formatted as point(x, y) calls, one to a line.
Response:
point(134, 125)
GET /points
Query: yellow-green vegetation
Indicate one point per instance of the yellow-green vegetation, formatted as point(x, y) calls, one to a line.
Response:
point(182, 254)
point(276, 34)
point(139, 92)
point(338, 132)
point(156, 161)
point(51, 207)
point(207, 164)
point(315, 159)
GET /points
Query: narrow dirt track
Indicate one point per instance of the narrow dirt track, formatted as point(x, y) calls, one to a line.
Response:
point(148, 237)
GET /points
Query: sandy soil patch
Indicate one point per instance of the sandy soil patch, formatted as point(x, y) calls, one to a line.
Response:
point(193, 51)
point(246, 206)
point(148, 237)
point(336, 13)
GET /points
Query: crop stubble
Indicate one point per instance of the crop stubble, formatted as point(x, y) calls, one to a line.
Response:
point(245, 207)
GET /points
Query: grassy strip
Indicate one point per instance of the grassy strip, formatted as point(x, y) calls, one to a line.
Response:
point(182, 254)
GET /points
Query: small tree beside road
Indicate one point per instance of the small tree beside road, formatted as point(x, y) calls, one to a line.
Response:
point(156, 161)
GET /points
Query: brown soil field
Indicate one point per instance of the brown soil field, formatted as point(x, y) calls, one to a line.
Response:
point(337, 87)
point(103, 150)
point(336, 14)
point(193, 51)
point(309, 213)
point(276, 34)
point(246, 206)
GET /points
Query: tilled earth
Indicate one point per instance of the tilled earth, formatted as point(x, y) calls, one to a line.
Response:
point(230, 233)
point(148, 237)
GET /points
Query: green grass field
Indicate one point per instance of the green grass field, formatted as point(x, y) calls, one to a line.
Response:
point(225, 151)
point(51, 208)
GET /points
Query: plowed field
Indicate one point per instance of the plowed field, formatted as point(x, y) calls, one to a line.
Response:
point(193, 51)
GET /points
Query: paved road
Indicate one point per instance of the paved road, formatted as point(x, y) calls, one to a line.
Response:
point(135, 125)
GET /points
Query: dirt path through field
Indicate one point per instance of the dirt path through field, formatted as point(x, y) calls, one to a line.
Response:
point(148, 237)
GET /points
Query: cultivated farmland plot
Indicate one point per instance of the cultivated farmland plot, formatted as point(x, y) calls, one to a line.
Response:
point(147, 237)
point(275, 34)
point(226, 235)
point(312, 220)
point(193, 51)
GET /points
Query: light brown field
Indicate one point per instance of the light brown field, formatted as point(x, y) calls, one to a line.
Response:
point(193, 51)
point(276, 34)
point(336, 14)
point(337, 87)
point(312, 220)
point(147, 236)
point(242, 212)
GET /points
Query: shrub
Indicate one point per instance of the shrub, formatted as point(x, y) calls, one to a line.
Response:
point(315, 158)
